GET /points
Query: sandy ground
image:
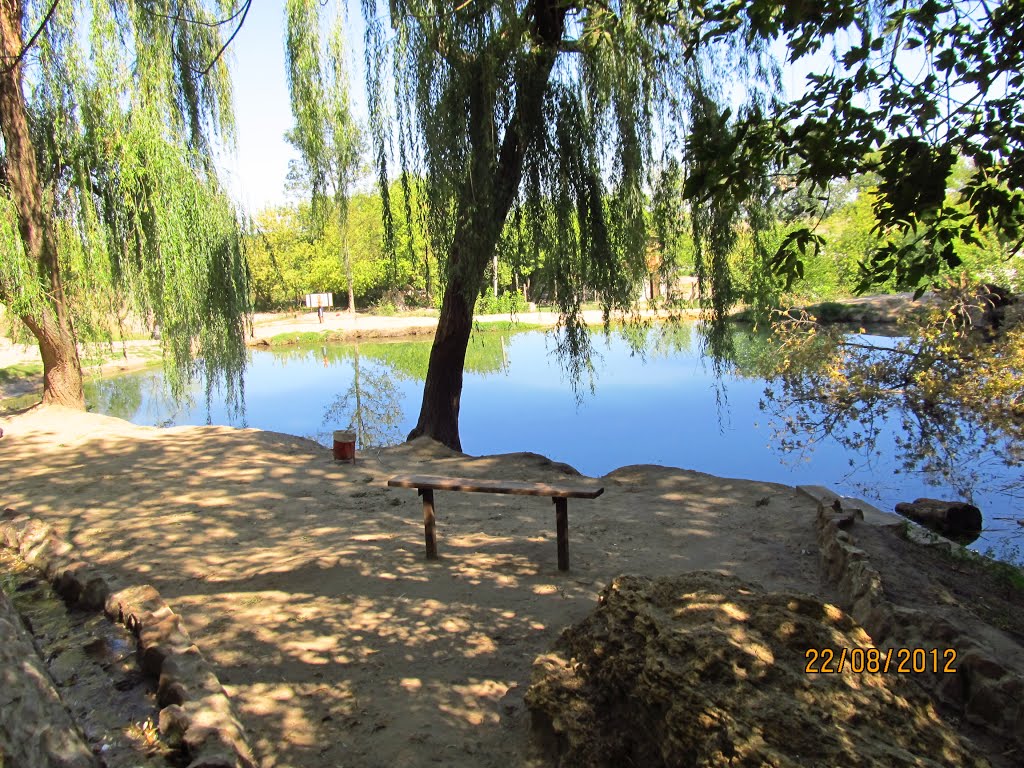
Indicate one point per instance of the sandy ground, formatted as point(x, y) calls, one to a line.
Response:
point(305, 582)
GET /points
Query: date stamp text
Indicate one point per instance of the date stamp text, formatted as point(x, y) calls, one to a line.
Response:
point(873, 660)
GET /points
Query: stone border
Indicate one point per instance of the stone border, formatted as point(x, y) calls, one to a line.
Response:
point(195, 712)
point(983, 690)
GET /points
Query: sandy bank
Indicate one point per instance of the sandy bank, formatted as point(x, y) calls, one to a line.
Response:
point(304, 580)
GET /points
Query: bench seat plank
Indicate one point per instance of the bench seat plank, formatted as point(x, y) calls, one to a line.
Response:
point(514, 487)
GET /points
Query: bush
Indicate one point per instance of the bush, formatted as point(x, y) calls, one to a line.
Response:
point(508, 303)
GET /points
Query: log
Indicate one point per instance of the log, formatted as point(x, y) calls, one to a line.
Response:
point(957, 518)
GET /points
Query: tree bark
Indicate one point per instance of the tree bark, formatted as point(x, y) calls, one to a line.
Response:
point(50, 324)
point(348, 277)
point(485, 200)
point(442, 390)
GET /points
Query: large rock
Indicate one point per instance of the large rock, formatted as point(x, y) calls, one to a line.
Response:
point(957, 519)
point(705, 670)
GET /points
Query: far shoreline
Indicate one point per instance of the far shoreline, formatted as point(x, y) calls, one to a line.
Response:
point(270, 329)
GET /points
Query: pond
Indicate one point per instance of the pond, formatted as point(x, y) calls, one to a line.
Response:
point(655, 399)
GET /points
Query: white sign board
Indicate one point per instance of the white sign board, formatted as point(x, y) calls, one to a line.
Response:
point(315, 300)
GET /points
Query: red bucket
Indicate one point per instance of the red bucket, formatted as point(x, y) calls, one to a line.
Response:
point(344, 446)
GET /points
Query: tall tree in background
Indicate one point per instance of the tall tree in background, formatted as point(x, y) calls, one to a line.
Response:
point(559, 109)
point(109, 197)
point(325, 133)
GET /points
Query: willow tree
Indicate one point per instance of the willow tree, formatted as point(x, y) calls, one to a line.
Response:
point(325, 133)
point(560, 109)
point(109, 109)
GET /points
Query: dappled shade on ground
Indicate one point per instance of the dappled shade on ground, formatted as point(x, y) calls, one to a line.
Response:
point(304, 581)
point(706, 670)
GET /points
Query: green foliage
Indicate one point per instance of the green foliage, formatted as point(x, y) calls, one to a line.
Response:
point(912, 87)
point(508, 303)
point(20, 372)
point(533, 127)
point(125, 100)
point(326, 134)
point(406, 359)
point(292, 252)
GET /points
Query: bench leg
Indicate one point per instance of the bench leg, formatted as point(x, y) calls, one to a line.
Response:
point(562, 527)
point(428, 522)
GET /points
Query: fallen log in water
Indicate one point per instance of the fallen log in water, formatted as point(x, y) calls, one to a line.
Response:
point(956, 519)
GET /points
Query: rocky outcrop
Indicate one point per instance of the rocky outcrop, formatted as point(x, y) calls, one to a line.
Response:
point(196, 714)
point(705, 670)
point(986, 690)
point(956, 519)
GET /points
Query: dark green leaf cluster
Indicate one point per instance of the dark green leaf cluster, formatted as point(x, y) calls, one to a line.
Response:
point(910, 88)
point(544, 128)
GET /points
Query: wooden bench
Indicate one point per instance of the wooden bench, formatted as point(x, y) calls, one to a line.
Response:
point(560, 493)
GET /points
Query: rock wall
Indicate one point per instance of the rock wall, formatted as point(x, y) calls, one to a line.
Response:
point(985, 691)
point(35, 728)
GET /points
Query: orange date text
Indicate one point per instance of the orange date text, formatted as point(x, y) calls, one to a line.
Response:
point(874, 660)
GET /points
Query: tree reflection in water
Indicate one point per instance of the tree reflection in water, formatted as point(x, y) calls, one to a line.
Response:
point(952, 398)
point(371, 407)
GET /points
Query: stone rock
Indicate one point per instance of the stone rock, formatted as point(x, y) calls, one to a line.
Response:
point(705, 670)
point(162, 636)
point(132, 605)
point(173, 722)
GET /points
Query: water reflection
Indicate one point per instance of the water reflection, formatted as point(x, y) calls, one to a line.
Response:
point(371, 407)
point(882, 400)
point(658, 401)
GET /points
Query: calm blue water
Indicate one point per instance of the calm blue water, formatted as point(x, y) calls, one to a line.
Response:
point(663, 407)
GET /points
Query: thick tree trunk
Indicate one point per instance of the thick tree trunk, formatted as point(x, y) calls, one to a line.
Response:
point(442, 391)
point(62, 369)
point(486, 198)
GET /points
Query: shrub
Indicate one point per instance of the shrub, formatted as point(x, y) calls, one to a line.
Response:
point(508, 303)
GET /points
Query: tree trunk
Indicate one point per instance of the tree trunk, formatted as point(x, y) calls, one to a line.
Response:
point(426, 275)
point(50, 324)
point(442, 390)
point(62, 370)
point(348, 277)
point(484, 202)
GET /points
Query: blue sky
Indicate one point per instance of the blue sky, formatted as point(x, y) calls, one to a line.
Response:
point(256, 176)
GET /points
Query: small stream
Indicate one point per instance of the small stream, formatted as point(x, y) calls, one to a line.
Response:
point(92, 662)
